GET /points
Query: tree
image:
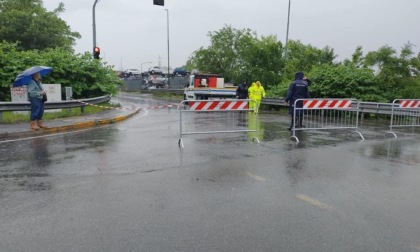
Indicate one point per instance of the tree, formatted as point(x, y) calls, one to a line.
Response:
point(305, 57)
point(29, 24)
point(238, 55)
point(87, 77)
point(345, 81)
point(395, 73)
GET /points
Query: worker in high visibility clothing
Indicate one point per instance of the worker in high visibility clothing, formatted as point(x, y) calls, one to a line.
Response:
point(257, 93)
point(250, 93)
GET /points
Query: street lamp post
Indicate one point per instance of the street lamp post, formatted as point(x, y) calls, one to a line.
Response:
point(287, 33)
point(167, 29)
point(141, 66)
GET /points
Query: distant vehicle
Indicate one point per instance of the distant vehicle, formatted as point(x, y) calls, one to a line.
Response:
point(180, 71)
point(157, 79)
point(132, 72)
point(208, 86)
point(155, 70)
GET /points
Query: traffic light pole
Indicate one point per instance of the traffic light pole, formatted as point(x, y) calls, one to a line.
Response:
point(94, 24)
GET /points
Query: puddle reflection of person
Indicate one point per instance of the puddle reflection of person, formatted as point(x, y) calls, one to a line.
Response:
point(40, 152)
point(254, 123)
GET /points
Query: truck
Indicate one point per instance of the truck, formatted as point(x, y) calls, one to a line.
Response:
point(208, 86)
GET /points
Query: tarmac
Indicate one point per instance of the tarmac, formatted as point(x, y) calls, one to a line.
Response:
point(22, 130)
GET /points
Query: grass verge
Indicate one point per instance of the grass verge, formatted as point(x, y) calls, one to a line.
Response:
point(10, 117)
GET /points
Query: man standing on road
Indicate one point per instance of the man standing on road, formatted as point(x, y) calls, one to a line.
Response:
point(242, 91)
point(297, 90)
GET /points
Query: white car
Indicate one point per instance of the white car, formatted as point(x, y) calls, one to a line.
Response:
point(155, 70)
point(132, 72)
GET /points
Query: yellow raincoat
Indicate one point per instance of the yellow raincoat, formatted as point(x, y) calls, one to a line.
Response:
point(256, 92)
point(250, 93)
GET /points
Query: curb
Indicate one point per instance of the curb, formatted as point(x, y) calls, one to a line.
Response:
point(70, 127)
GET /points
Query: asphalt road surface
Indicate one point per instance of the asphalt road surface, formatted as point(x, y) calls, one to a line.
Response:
point(129, 187)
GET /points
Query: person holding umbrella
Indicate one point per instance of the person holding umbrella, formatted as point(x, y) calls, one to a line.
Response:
point(36, 93)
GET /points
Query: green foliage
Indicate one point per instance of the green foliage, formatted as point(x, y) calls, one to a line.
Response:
point(397, 75)
point(305, 57)
point(344, 81)
point(239, 55)
point(378, 76)
point(87, 77)
point(29, 24)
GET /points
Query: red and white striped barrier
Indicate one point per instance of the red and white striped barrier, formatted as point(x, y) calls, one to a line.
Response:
point(327, 104)
point(221, 116)
point(218, 105)
point(405, 114)
point(410, 104)
point(325, 114)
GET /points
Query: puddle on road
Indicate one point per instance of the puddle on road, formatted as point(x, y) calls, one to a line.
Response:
point(401, 151)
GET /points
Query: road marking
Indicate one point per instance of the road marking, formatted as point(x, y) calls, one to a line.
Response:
point(314, 202)
point(253, 176)
point(42, 136)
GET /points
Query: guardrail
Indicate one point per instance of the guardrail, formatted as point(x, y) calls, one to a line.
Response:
point(364, 107)
point(26, 106)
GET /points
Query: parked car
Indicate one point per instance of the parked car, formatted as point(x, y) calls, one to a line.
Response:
point(155, 70)
point(180, 71)
point(132, 72)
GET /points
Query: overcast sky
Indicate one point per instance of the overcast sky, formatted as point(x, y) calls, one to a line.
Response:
point(131, 32)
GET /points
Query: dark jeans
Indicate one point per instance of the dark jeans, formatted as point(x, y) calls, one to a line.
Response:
point(37, 108)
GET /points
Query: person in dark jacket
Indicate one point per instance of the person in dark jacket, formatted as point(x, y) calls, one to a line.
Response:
point(297, 90)
point(242, 91)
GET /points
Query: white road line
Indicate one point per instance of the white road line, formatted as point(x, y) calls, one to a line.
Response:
point(253, 176)
point(314, 202)
point(49, 135)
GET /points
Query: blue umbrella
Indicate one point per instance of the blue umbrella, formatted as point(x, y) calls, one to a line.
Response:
point(24, 77)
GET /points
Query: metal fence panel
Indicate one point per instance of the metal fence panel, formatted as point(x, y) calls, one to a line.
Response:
point(325, 114)
point(216, 117)
point(405, 114)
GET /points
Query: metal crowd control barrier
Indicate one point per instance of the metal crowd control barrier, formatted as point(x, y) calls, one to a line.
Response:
point(325, 114)
point(405, 114)
point(214, 117)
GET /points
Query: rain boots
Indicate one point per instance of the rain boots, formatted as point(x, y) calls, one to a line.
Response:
point(34, 126)
point(40, 124)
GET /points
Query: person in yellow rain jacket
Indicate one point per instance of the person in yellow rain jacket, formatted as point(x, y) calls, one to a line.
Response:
point(250, 93)
point(256, 92)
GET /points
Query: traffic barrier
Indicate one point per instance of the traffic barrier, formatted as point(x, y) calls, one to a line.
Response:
point(325, 114)
point(405, 114)
point(215, 117)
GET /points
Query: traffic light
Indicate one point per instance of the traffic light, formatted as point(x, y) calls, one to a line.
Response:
point(159, 2)
point(96, 52)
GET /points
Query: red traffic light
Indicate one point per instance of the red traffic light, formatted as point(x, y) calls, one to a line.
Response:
point(96, 52)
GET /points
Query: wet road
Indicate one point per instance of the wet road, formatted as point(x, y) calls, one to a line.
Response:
point(128, 187)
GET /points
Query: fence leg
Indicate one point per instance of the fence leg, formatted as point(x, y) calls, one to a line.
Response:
point(82, 109)
point(180, 143)
point(1, 116)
